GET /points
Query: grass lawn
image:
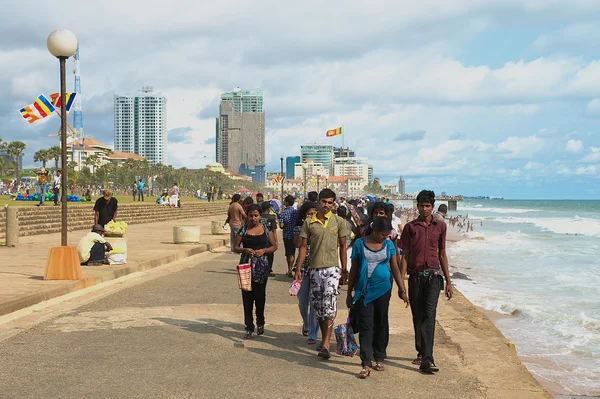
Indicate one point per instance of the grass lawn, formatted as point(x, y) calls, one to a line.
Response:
point(5, 200)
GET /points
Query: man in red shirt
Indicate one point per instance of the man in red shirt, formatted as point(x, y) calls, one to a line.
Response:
point(423, 242)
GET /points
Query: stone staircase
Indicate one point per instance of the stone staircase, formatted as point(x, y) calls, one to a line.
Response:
point(44, 220)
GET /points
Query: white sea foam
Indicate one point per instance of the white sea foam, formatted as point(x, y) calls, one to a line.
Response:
point(497, 210)
point(574, 225)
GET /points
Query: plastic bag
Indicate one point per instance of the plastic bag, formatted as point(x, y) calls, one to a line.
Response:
point(117, 259)
point(294, 288)
point(346, 344)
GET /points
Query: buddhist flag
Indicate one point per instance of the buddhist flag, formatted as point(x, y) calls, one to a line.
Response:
point(43, 106)
point(56, 100)
point(29, 114)
point(334, 132)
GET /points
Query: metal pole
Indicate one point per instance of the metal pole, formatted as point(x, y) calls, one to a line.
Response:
point(318, 178)
point(304, 183)
point(63, 146)
point(282, 177)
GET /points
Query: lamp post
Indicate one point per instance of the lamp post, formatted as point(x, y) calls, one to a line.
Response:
point(63, 261)
point(304, 167)
point(62, 44)
point(282, 177)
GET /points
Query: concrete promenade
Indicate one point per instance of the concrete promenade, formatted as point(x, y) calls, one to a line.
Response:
point(149, 245)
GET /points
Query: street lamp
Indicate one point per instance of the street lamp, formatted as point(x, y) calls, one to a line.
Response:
point(62, 44)
point(63, 263)
point(304, 166)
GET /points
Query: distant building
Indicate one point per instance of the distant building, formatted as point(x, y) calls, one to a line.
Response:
point(318, 153)
point(80, 149)
point(240, 133)
point(215, 167)
point(370, 174)
point(311, 170)
point(339, 152)
point(119, 158)
point(289, 166)
point(346, 185)
point(391, 188)
point(352, 166)
point(140, 125)
point(401, 186)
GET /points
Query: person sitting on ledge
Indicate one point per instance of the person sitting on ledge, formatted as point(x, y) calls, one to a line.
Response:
point(93, 247)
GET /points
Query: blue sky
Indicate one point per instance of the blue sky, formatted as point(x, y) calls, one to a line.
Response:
point(494, 97)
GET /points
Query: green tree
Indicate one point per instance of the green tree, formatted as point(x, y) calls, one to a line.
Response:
point(92, 162)
point(42, 156)
point(16, 149)
point(55, 153)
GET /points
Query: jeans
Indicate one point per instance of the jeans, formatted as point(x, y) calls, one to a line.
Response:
point(257, 297)
point(309, 320)
point(372, 324)
point(56, 192)
point(42, 193)
point(233, 232)
point(97, 253)
point(423, 294)
point(141, 195)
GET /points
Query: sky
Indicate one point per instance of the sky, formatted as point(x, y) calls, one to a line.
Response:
point(474, 97)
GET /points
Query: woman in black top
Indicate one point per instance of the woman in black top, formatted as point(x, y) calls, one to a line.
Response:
point(254, 241)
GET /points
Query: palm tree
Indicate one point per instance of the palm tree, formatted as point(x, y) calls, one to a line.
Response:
point(42, 156)
point(1, 166)
point(16, 149)
point(55, 153)
point(92, 162)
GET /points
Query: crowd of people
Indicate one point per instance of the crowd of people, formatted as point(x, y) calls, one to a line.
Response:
point(360, 242)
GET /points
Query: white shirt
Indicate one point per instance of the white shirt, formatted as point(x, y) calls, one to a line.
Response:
point(56, 181)
point(85, 245)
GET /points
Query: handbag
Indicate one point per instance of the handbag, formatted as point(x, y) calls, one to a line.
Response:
point(260, 269)
point(245, 276)
point(344, 336)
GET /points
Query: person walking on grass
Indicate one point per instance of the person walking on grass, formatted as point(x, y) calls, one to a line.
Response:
point(326, 233)
point(255, 240)
point(310, 327)
point(140, 188)
point(371, 280)
point(423, 243)
point(287, 220)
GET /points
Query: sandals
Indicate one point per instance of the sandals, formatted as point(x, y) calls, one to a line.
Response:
point(305, 333)
point(311, 341)
point(364, 373)
point(324, 353)
point(417, 360)
point(379, 366)
point(248, 334)
point(260, 330)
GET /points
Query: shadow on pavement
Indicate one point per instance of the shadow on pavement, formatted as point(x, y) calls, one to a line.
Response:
point(285, 343)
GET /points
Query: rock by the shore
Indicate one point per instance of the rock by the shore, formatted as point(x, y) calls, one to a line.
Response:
point(460, 276)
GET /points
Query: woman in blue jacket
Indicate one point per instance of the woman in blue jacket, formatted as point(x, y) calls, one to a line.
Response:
point(371, 280)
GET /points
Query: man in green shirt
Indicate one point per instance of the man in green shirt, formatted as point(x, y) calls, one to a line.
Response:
point(327, 235)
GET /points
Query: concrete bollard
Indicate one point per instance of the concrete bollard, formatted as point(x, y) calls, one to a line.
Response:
point(216, 228)
point(186, 234)
point(12, 226)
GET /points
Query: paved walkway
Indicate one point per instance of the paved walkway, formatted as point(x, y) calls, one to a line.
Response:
point(149, 245)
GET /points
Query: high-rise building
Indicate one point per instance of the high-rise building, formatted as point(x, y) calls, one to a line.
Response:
point(240, 133)
point(339, 152)
point(141, 125)
point(352, 166)
point(401, 186)
point(318, 153)
point(289, 166)
point(370, 175)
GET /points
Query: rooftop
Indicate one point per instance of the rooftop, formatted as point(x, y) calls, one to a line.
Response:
point(126, 155)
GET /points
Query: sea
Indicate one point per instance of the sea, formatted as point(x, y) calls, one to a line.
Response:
point(536, 264)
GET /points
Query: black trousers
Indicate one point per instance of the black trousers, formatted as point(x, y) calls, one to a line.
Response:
point(270, 258)
point(372, 325)
point(257, 297)
point(56, 192)
point(423, 294)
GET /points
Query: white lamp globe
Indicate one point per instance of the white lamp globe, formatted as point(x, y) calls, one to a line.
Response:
point(62, 43)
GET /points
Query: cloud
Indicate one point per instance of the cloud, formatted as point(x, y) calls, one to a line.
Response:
point(574, 146)
point(593, 108)
point(593, 156)
point(178, 134)
point(414, 135)
point(210, 140)
point(521, 147)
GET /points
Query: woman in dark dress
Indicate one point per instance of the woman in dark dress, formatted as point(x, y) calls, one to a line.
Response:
point(254, 241)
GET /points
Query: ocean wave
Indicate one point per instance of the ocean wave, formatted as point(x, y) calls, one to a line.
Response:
point(497, 210)
point(574, 225)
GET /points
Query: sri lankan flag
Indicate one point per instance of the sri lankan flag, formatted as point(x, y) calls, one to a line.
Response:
point(334, 132)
